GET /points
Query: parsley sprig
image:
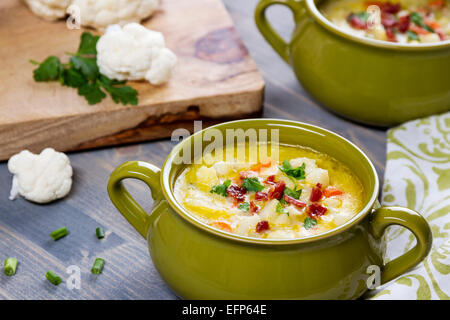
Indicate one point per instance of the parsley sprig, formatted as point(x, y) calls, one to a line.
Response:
point(252, 184)
point(298, 173)
point(221, 189)
point(82, 73)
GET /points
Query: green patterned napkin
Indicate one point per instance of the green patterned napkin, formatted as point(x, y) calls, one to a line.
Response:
point(417, 176)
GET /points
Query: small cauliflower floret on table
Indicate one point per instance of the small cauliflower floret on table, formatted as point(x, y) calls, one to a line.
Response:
point(40, 178)
point(48, 9)
point(102, 13)
point(134, 52)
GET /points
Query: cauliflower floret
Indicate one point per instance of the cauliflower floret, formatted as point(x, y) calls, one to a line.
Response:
point(222, 168)
point(48, 9)
point(102, 13)
point(318, 175)
point(40, 178)
point(135, 53)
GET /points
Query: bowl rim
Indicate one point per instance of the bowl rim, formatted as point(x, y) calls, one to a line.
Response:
point(327, 24)
point(182, 212)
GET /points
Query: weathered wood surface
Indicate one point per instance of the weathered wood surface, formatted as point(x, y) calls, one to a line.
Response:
point(129, 273)
point(215, 78)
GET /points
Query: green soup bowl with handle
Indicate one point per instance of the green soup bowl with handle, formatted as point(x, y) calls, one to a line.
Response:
point(371, 81)
point(201, 262)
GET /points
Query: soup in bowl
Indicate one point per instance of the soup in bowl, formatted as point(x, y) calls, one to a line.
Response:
point(213, 248)
point(402, 21)
point(303, 193)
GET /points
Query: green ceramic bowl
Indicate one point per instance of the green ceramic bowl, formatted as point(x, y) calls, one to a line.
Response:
point(200, 262)
point(371, 81)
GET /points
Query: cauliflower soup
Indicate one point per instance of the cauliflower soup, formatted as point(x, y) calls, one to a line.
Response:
point(302, 194)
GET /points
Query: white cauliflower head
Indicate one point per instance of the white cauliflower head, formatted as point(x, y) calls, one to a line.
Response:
point(40, 178)
point(101, 13)
point(135, 53)
point(49, 9)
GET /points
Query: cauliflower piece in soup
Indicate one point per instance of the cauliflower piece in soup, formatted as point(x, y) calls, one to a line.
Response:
point(102, 13)
point(48, 9)
point(40, 177)
point(134, 52)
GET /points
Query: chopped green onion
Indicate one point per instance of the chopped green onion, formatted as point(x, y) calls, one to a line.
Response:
point(100, 233)
point(53, 278)
point(10, 266)
point(97, 268)
point(59, 233)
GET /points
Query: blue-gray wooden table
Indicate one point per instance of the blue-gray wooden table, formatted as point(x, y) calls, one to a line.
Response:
point(129, 273)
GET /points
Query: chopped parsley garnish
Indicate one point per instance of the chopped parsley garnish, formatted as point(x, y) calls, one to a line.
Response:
point(221, 189)
point(293, 193)
point(309, 223)
point(252, 184)
point(245, 206)
point(412, 35)
point(82, 73)
point(416, 18)
point(280, 209)
point(298, 173)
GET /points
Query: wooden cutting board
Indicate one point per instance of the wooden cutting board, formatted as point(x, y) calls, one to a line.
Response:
point(215, 80)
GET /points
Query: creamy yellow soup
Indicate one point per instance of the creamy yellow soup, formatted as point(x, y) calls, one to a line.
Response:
point(402, 21)
point(303, 193)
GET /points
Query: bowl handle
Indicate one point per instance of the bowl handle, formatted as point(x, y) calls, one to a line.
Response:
point(125, 203)
point(383, 217)
point(271, 36)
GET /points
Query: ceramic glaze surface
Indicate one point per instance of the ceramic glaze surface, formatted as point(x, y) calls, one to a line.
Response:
point(371, 81)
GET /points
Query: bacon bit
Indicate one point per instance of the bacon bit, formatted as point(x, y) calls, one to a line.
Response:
point(331, 192)
point(270, 180)
point(356, 22)
point(293, 201)
point(236, 192)
point(390, 34)
point(262, 226)
point(388, 20)
point(441, 35)
point(316, 193)
point(418, 29)
point(261, 196)
point(316, 210)
point(253, 207)
point(276, 191)
point(403, 23)
point(222, 225)
point(389, 7)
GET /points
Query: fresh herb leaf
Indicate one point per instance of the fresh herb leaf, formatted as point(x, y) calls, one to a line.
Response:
point(280, 209)
point(245, 206)
point(88, 44)
point(363, 16)
point(412, 35)
point(221, 189)
point(309, 223)
point(82, 72)
point(87, 66)
point(92, 92)
point(252, 184)
point(293, 193)
point(48, 70)
point(416, 18)
point(72, 78)
point(298, 173)
point(123, 94)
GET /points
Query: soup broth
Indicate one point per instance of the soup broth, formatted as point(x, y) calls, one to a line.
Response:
point(302, 194)
point(405, 21)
